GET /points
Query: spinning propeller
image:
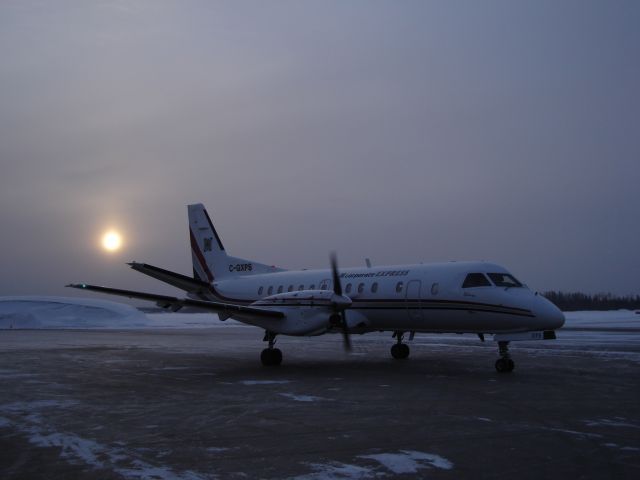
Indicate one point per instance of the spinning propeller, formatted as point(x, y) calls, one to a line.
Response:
point(340, 303)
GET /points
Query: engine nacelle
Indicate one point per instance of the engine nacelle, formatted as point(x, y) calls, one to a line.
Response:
point(308, 312)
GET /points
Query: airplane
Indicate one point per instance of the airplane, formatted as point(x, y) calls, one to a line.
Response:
point(453, 297)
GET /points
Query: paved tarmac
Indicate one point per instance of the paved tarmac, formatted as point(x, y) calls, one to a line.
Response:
point(197, 404)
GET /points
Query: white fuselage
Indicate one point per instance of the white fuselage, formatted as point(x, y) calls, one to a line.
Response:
point(420, 298)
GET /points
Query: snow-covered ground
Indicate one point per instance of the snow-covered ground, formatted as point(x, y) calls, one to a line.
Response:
point(34, 312)
point(610, 320)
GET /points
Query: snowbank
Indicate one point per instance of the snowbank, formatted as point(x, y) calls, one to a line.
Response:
point(611, 319)
point(32, 312)
point(65, 312)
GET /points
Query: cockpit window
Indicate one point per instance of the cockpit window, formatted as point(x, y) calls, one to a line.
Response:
point(504, 280)
point(476, 280)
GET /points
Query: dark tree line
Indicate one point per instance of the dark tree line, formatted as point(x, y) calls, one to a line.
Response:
point(600, 301)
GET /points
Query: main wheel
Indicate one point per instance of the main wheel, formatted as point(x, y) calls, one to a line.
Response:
point(505, 365)
point(277, 356)
point(271, 357)
point(400, 351)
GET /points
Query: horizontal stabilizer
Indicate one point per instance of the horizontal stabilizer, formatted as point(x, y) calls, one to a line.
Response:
point(188, 284)
point(225, 310)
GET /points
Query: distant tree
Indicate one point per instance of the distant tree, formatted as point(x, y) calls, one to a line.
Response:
point(600, 301)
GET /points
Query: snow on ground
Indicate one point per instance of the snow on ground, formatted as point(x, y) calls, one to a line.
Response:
point(302, 398)
point(36, 312)
point(611, 319)
point(397, 463)
point(30, 418)
point(409, 461)
point(263, 382)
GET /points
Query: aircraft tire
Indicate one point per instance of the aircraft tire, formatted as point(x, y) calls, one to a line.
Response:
point(505, 365)
point(271, 357)
point(400, 351)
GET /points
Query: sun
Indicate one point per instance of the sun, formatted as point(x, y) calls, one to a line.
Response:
point(111, 241)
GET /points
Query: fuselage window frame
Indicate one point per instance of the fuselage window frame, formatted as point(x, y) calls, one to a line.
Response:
point(476, 280)
point(511, 281)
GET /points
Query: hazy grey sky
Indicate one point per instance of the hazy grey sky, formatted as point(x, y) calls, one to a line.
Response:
point(403, 131)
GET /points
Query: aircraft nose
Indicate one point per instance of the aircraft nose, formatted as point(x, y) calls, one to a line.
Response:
point(549, 316)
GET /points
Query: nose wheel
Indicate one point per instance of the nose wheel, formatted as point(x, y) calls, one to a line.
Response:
point(270, 356)
point(504, 364)
point(399, 350)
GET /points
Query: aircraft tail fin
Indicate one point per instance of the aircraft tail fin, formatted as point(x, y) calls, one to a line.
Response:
point(209, 257)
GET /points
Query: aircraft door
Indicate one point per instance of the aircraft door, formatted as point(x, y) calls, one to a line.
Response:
point(413, 300)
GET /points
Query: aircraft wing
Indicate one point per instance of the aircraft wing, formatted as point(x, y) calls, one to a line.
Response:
point(225, 310)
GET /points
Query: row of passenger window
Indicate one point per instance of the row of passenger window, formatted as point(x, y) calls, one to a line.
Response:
point(324, 286)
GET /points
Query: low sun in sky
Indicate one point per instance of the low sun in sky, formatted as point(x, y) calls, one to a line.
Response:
point(111, 241)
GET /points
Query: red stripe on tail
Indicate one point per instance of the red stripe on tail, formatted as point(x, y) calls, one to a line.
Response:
point(203, 263)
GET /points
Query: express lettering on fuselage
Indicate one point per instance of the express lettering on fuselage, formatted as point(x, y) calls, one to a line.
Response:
point(382, 273)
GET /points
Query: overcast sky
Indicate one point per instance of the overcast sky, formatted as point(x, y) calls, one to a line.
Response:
point(506, 131)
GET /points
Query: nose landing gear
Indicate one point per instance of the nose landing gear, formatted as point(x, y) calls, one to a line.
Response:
point(504, 364)
point(270, 356)
point(399, 350)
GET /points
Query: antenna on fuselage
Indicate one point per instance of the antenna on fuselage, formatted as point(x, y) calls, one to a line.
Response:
point(368, 262)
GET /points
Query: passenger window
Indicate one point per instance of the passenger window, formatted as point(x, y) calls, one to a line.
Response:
point(348, 289)
point(361, 288)
point(280, 289)
point(260, 290)
point(374, 287)
point(399, 286)
point(434, 289)
point(476, 280)
point(270, 291)
point(290, 289)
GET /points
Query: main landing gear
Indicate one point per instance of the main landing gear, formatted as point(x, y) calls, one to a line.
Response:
point(504, 364)
point(270, 356)
point(399, 350)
